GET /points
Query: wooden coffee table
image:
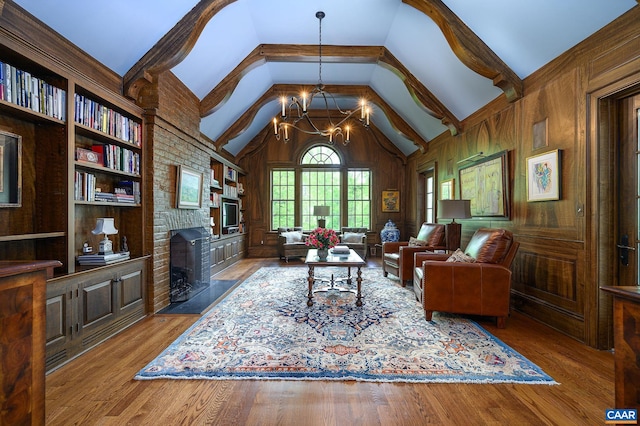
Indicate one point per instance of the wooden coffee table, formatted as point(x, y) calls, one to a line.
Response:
point(352, 260)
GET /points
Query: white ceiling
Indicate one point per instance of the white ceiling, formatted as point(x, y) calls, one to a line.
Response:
point(524, 34)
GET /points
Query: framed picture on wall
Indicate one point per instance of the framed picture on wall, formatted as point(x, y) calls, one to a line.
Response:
point(485, 184)
point(10, 170)
point(189, 188)
point(447, 189)
point(543, 177)
point(391, 201)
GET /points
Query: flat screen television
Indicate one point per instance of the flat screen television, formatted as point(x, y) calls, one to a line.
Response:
point(230, 217)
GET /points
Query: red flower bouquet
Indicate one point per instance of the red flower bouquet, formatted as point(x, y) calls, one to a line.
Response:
point(322, 238)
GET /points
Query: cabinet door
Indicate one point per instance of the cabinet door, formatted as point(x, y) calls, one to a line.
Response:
point(130, 292)
point(97, 301)
point(60, 326)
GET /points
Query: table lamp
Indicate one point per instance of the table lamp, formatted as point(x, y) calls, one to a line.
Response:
point(321, 212)
point(454, 209)
point(104, 225)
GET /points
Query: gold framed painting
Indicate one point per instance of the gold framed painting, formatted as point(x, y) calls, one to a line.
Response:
point(390, 201)
point(543, 177)
point(189, 188)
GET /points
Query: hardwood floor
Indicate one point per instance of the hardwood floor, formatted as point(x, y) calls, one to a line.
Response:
point(97, 387)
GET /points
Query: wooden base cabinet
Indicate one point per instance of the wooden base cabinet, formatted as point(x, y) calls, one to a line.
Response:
point(626, 336)
point(226, 251)
point(22, 316)
point(88, 307)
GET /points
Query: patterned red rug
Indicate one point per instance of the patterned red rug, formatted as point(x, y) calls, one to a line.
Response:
point(265, 330)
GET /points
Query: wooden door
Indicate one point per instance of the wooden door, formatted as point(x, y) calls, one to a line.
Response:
point(628, 243)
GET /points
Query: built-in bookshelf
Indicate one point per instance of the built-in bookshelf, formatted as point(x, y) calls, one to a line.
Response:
point(81, 159)
point(225, 200)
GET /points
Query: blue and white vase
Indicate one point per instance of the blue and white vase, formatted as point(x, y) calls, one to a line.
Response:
point(390, 233)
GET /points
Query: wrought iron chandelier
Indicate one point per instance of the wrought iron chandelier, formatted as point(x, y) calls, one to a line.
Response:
point(294, 111)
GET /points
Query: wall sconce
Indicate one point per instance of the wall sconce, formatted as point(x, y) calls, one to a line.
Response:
point(321, 212)
point(454, 209)
point(105, 225)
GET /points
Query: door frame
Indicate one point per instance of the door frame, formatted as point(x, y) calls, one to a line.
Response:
point(602, 194)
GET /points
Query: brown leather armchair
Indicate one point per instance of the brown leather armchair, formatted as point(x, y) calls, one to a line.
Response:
point(397, 257)
point(479, 288)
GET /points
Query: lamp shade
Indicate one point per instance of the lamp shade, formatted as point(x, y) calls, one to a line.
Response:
point(454, 209)
point(321, 210)
point(105, 225)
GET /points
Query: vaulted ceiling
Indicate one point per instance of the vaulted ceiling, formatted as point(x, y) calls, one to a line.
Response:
point(424, 65)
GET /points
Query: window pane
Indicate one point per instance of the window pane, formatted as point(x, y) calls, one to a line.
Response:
point(321, 187)
point(282, 198)
point(359, 198)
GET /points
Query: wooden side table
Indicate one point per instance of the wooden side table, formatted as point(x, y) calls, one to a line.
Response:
point(22, 346)
point(626, 336)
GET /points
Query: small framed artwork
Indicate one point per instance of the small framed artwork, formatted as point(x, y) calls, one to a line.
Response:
point(391, 201)
point(189, 188)
point(543, 176)
point(10, 170)
point(447, 189)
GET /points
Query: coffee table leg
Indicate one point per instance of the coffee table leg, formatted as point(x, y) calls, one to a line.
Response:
point(359, 282)
point(310, 280)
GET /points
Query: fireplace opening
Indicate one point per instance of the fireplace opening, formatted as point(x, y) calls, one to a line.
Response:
point(189, 263)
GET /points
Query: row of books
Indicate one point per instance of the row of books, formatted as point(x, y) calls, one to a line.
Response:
point(115, 157)
point(85, 190)
point(104, 119)
point(102, 259)
point(230, 191)
point(21, 88)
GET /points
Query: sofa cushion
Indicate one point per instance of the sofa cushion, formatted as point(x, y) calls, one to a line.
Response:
point(352, 237)
point(292, 236)
point(489, 245)
point(414, 242)
point(460, 256)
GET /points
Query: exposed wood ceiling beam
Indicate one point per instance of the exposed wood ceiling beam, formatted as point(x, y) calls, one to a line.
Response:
point(173, 47)
point(331, 54)
point(469, 48)
point(265, 135)
point(243, 123)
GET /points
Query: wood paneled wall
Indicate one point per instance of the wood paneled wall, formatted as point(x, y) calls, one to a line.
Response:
point(553, 278)
point(367, 149)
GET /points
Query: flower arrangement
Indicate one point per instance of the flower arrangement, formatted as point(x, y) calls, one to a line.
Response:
point(322, 238)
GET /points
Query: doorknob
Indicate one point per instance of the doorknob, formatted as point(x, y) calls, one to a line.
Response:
point(626, 247)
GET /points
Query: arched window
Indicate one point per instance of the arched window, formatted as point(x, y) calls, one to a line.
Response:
point(321, 179)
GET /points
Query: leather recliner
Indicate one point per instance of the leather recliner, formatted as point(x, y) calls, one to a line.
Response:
point(397, 257)
point(479, 288)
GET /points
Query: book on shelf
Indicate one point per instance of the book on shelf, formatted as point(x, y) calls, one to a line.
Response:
point(107, 120)
point(21, 88)
point(102, 259)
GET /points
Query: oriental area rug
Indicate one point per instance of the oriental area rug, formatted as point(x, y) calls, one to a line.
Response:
point(265, 330)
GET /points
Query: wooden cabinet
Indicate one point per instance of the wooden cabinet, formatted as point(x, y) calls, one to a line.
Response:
point(626, 336)
point(225, 251)
point(80, 142)
point(82, 159)
point(86, 308)
point(22, 321)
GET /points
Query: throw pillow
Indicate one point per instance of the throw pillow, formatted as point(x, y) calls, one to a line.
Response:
point(292, 236)
point(460, 256)
point(414, 242)
point(352, 237)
